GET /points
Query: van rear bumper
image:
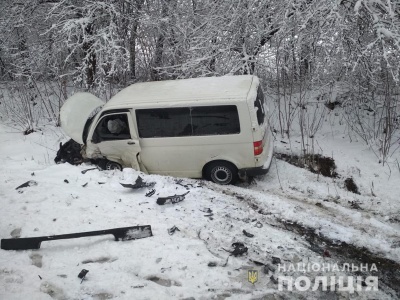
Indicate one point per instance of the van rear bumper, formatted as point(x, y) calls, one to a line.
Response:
point(257, 171)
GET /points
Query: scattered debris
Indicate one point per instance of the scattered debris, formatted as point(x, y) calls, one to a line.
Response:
point(87, 170)
point(172, 230)
point(171, 199)
point(276, 260)
point(258, 224)
point(84, 185)
point(351, 185)
point(268, 268)
point(163, 282)
point(151, 193)
point(206, 210)
point(138, 184)
point(70, 152)
point(248, 234)
point(239, 249)
point(123, 233)
point(27, 184)
point(257, 263)
point(82, 274)
point(355, 205)
point(33, 174)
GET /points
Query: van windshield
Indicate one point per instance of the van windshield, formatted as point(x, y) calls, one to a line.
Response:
point(259, 106)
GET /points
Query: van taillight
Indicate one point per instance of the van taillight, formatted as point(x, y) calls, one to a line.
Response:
point(258, 148)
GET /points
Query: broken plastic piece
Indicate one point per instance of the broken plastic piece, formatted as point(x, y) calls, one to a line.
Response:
point(83, 273)
point(172, 230)
point(151, 193)
point(239, 249)
point(87, 170)
point(27, 184)
point(123, 233)
point(138, 184)
point(171, 199)
point(248, 234)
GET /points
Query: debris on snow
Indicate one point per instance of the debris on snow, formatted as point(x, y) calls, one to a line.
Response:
point(138, 184)
point(248, 234)
point(150, 193)
point(70, 152)
point(82, 274)
point(171, 199)
point(239, 249)
point(172, 230)
point(123, 233)
point(27, 184)
point(87, 170)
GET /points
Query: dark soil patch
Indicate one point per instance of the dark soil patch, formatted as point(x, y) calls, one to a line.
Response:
point(316, 163)
point(332, 105)
point(351, 185)
point(28, 131)
point(388, 270)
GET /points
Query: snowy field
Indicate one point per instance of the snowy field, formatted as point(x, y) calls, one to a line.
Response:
point(295, 216)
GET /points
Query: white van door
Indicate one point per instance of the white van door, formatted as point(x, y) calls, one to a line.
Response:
point(115, 138)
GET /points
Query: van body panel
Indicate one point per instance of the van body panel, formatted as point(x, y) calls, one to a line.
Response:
point(123, 151)
point(75, 112)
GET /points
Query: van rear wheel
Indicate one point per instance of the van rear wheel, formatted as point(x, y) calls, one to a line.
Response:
point(221, 172)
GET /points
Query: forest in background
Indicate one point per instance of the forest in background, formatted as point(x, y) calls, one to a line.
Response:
point(312, 56)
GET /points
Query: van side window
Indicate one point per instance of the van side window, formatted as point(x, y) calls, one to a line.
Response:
point(112, 127)
point(213, 120)
point(259, 106)
point(163, 122)
point(188, 121)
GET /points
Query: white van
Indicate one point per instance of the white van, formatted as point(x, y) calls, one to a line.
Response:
point(211, 127)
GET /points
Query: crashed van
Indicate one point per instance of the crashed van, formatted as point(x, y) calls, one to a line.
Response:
point(211, 127)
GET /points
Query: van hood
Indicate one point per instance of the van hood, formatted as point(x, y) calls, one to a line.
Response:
point(75, 112)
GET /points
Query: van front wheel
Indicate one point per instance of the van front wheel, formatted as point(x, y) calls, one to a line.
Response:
point(221, 172)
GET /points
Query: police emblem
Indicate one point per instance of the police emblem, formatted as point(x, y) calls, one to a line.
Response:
point(252, 276)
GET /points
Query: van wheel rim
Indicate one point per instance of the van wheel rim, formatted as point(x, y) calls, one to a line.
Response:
point(113, 166)
point(221, 175)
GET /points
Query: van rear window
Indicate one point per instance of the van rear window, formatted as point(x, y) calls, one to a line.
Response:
point(259, 106)
point(188, 121)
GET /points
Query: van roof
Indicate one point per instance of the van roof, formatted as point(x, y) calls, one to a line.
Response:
point(184, 90)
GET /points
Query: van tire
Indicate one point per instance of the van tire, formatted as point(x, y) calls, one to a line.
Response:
point(106, 164)
point(111, 165)
point(221, 172)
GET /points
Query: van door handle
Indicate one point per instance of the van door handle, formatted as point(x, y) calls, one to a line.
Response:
point(131, 143)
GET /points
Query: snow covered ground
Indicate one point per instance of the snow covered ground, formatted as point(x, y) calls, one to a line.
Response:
point(295, 216)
